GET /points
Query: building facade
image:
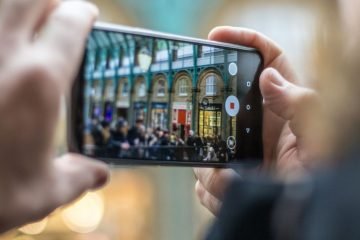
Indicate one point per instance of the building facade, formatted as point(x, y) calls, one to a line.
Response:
point(174, 86)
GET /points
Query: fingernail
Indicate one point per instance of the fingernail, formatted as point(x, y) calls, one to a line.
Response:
point(276, 79)
point(101, 181)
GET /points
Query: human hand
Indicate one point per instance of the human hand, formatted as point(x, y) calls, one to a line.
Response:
point(41, 46)
point(284, 147)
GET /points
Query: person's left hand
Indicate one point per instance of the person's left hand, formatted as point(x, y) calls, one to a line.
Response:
point(41, 46)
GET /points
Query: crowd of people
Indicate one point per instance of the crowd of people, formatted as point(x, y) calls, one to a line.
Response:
point(118, 140)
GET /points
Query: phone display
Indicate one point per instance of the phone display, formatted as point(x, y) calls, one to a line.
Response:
point(150, 98)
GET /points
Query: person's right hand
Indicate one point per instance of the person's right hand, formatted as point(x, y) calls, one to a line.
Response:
point(41, 46)
point(285, 150)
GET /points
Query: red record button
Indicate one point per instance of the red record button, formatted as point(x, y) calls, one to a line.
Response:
point(232, 106)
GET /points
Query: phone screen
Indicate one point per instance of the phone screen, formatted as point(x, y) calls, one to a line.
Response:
point(157, 99)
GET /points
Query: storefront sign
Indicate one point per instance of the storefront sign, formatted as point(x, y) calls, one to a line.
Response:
point(211, 107)
point(182, 105)
point(157, 105)
point(123, 104)
point(139, 105)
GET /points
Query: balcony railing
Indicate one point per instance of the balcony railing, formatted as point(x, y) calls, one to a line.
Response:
point(163, 66)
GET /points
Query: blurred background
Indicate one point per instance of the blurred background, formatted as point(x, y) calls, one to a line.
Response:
point(159, 202)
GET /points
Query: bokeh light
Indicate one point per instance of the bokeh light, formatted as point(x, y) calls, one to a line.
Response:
point(86, 214)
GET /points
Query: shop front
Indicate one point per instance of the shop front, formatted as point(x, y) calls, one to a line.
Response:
point(210, 120)
point(159, 103)
point(139, 100)
point(159, 115)
point(181, 118)
point(210, 107)
point(139, 110)
point(182, 105)
point(109, 100)
point(96, 95)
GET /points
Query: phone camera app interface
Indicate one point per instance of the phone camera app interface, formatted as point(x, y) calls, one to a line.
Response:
point(155, 99)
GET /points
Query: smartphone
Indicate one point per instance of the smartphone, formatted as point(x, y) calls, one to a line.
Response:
point(145, 97)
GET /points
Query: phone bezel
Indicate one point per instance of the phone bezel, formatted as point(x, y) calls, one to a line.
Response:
point(75, 101)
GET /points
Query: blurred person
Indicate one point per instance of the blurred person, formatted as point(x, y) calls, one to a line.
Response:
point(96, 132)
point(220, 149)
point(210, 152)
point(190, 150)
point(314, 138)
point(195, 150)
point(136, 133)
point(118, 141)
point(150, 140)
point(39, 58)
point(105, 131)
point(150, 137)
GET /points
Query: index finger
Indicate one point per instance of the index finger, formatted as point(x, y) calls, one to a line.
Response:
point(247, 37)
point(64, 36)
point(20, 17)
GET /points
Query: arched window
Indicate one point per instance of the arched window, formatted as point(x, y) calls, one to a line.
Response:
point(96, 91)
point(183, 87)
point(109, 90)
point(161, 88)
point(125, 89)
point(211, 88)
point(141, 90)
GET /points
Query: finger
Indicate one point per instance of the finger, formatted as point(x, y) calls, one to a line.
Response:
point(65, 34)
point(285, 99)
point(249, 38)
point(206, 199)
point(20, 17)
point(74, 175)
point(50, 7)
point(214, 180)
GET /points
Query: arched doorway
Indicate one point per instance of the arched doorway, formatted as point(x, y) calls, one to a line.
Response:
point(109, 99)
point(159, 103)
point(123, 98)
point(210, 99)
point(182, 105)
point(139, 99)
point(96, 96)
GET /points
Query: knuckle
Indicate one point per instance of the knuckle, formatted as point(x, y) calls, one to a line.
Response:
point(305, 97)
point(211, 179)
point(74, 14)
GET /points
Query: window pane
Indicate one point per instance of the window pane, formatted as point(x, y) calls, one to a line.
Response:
point(211, 85)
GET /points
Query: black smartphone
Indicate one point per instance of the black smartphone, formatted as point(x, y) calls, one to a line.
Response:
point(144, 97)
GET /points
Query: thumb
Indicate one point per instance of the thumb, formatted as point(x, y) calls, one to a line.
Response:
point(74, 175)
point(282, 97)
point(287, 100)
